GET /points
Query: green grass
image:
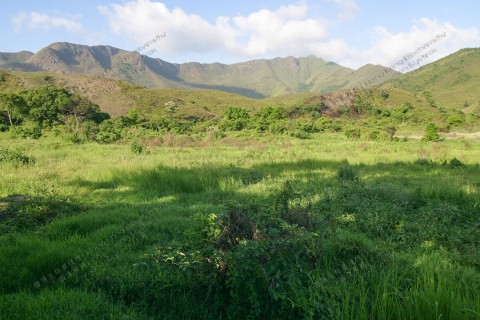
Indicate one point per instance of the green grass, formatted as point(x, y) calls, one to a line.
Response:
point(96, 231)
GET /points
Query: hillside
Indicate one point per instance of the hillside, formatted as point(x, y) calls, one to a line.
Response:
point(255, 79)
point(452, 82)
point(117, 97)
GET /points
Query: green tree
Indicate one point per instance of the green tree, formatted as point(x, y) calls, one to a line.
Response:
point(14, 106)
point(384, 94)
point(76, 111)
point(353, 133)
point(47, 103)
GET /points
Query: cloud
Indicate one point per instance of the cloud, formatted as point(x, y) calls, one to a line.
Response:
point(40, 21)
point(283, 31)
point(388, 48)
point(141, 20)
point(286, 30)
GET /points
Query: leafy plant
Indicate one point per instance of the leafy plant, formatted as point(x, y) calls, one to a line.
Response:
point(25, 212)
point(431, 133)
point(136, 148)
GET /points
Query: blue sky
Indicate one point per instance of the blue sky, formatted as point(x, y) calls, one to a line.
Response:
point(349, 32)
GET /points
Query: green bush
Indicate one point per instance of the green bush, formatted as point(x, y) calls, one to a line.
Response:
point(136, 148)
point(254, 263)
point(109, 131)
point(455, 120)
point(267, 117)
point(353, 133)
point(23, 212)
point(431, 133)
point(235, 119)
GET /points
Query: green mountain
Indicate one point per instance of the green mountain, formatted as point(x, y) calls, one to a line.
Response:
point(256, 79)
point(451, 82)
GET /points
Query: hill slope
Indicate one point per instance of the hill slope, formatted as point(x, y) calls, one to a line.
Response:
point(452, 82)
point(117, 97)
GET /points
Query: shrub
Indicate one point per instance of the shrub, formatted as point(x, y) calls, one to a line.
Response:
point(455, 120)
point(353, 133)
point(431, 133)
point(110, 131)
point(300, 134)
point(454, 163)
point(423, 162)
point(252, 262)
point(235, 119)
point(266, 117)
point(384, 94)
point(136, 148)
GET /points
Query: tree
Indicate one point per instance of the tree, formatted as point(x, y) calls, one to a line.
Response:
point(76, 111)
point(51, 106)
point(14, 105)
point(171, 107)
point(47, 103)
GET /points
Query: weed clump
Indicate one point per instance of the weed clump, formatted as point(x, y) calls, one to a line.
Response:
point(15, 157)
point(136, 148)
point(347, 173)
point(455, 163)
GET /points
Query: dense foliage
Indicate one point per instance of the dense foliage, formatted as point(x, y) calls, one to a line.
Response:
point(360, 115)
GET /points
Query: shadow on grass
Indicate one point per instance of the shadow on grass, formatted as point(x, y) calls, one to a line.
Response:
point(402, 207)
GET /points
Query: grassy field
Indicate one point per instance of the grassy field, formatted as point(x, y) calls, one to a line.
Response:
point(237, 228)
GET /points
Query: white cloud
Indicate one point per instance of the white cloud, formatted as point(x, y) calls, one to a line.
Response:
point(40, 21)
point(286, 30)
point(283, 31)
point(389, 49)
point(142, 20)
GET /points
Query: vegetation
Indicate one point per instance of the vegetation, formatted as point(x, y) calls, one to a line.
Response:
point(240, 228)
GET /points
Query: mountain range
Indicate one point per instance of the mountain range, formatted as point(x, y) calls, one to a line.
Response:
point(254, 79)
point(452, 82)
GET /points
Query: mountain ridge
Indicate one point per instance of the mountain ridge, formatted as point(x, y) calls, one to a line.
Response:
point(259, 78)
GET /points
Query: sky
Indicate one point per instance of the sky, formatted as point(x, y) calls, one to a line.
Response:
point(351, 33)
